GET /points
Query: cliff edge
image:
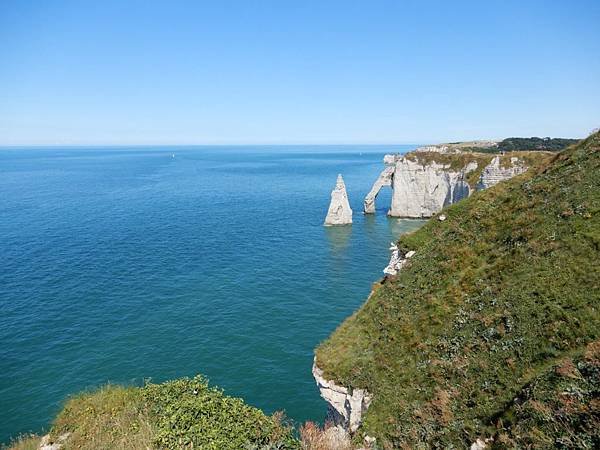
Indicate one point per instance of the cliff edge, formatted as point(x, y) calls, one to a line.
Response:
point(489, 336)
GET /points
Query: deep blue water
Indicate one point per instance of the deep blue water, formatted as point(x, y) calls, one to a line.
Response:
point(121, 264)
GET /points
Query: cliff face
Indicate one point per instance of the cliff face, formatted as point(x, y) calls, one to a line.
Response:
point(421, 190)
point(384, 179)
point(345, 406)
point(423, 182)
point(494, 173)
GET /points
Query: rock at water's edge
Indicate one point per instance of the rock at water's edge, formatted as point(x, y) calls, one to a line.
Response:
point(339, 212)
point(384, 179)
point(346, 407)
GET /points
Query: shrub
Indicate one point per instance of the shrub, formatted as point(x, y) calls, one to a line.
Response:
point(190, 414)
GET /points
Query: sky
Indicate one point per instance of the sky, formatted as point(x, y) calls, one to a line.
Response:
point(296, 72)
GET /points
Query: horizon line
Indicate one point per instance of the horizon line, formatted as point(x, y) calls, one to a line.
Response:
point(266, 143)
point(371, 144)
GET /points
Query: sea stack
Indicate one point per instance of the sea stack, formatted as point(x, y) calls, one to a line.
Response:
point(339, 209)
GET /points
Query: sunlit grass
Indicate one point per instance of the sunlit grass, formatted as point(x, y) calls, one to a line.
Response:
point(503, 288)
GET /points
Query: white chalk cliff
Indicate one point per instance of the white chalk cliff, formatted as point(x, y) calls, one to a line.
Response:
point(339, 212)
point(397, 260)
point(346, 407)
point(494, 173)
point(422, 189)
point(384, 179)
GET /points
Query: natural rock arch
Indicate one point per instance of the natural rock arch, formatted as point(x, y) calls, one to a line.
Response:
point(385, 179)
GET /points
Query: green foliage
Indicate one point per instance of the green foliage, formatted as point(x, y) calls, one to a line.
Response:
point(190, 414)
point(179, 414)
point(500, 291)
point(535, 144)
point(532, 144)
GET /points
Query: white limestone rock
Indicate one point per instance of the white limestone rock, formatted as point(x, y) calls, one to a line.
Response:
point(384, 179)
point(46, 444)
point(346, 407)
point(369, 441)
point(456, 147)
point(439, 148)
point(493, 174)
point(339, 212)
point(481, 444)
point(422, 190)
point(397, 260)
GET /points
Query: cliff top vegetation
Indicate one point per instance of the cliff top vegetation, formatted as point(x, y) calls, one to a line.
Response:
point(458, 161)
point(183, 413)
point(512, 144)
point(492, 329)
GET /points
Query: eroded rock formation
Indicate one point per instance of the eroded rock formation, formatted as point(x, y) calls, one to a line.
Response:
point(397, 260)
point(422, 186)
point(421, 190)
point(384, 179)
point(346, 407)
point(48, 444)
point(339, 212)
point(494, 173)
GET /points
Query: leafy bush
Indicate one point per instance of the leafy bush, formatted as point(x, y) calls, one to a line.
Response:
point(190, 414)
point(535, 144)
point(178, 414)
point(532, 144)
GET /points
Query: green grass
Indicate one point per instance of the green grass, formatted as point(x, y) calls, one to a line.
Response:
point(114, 417)
point(180, 414)
point(559, 408)
point(498, 293)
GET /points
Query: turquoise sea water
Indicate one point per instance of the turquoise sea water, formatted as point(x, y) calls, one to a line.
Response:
point(121, 264)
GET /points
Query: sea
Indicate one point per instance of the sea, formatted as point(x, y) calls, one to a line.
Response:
point(134, 264)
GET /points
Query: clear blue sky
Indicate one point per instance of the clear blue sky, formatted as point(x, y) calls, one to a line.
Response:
point(146, 72)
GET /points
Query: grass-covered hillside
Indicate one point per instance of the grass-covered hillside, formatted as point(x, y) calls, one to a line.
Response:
point(493, 328)
point(180, 414)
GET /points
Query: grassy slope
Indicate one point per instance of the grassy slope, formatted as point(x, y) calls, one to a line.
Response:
point(184, 413)
point(504, 288)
